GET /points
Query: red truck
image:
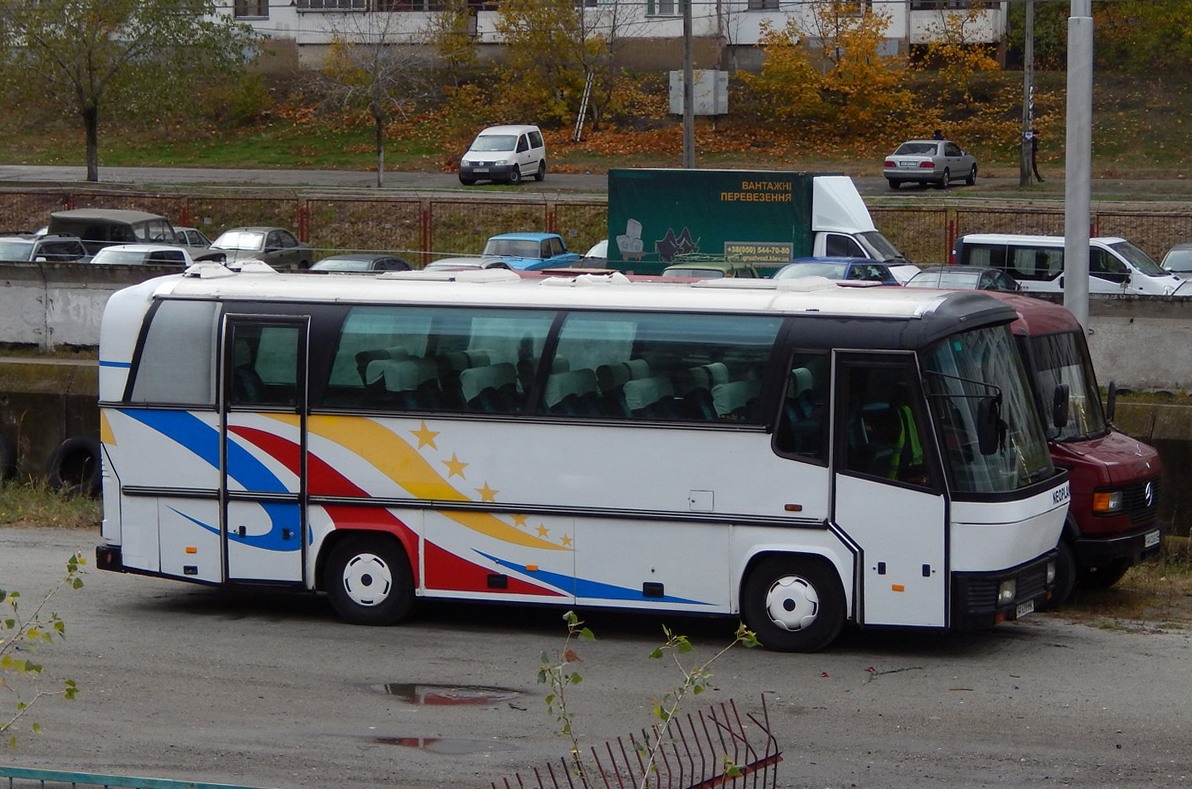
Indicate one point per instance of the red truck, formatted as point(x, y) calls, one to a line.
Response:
point(1113, 516)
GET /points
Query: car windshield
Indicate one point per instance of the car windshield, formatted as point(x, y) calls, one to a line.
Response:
point(1178, 260)
point(916, 149)
point(511, 248)
point(494, 142)
point(825, 269)
point(15, 250)
point(960, 280)
point(120, 256)
point(240, 239)
point(1062, 359)
point(1139, 259)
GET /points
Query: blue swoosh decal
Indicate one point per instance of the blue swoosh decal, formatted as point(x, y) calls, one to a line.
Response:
point(587, 588)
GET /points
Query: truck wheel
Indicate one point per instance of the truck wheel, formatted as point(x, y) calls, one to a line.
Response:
point(793, 604)
point(1065, 577)
point(368, 580)
point(515, 175)
point(74, 466)
point(1103, 577)
point(538, 176)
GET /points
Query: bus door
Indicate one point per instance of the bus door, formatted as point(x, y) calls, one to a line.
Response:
point(263, 447)
point(887, 491)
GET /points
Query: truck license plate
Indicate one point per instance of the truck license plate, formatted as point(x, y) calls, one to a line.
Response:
point(1151, 539)
point(1025, 608)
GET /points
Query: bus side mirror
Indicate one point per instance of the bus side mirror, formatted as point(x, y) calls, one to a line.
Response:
point(1111, 401)
point(1059, 406)
point(989, 425)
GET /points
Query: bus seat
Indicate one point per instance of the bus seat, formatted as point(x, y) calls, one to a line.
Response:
point(651, 397)
point(492, 389)
point(735, 400)
point(366, 357)
point(247, 386)
point(451, 364)
point(575, 392)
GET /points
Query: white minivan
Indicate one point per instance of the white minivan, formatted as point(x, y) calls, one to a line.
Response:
point(504, 153)
point(1037, 263)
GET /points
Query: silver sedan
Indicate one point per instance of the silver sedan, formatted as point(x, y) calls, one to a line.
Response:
point(925, 162)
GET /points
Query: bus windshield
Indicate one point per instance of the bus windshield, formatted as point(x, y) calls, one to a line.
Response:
point(961, 371)
point(1061, 359)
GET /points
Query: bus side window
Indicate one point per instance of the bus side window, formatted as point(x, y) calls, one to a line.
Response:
point(802, 424)
point(882, 434)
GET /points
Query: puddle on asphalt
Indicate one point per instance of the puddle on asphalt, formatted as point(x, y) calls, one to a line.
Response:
point(428, 694)
point(446, 746)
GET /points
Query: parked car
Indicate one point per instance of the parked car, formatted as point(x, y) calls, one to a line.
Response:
point(504, 153)
point(1178, 261)
point(849, 269)
point(530, 251)
point(707, 269)
point(192, 237)
point(143, 254)
point(361, 262)
point(55, 248)
point(102, 227)
point(276, 246)
point(963, 278)
point(465, 264)
point(929, 162)
point(1037, 264)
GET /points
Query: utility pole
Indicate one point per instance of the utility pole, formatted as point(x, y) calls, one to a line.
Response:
point(1028, 94)
point(688, 91)
point(1078, 154)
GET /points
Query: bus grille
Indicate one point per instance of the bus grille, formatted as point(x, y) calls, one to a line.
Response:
point(981, 597)
point(1141, 502)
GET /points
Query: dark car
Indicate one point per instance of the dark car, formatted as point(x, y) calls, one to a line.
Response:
point(102, 227)
point(361, 263)
point(1178, 260)
point(276, 246)
point(964, 278)
point(847, 269)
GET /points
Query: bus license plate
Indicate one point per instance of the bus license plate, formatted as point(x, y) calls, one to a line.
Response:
point(1025, 608)
point(1151, 539)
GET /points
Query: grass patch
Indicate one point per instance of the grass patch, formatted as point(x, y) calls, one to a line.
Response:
point(37, 504)
point(1156, 595)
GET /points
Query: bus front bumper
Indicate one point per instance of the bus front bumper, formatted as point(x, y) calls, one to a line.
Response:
point(109, 557)
point(982, 600)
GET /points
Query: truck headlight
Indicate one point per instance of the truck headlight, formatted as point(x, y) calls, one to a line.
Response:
point(1006, 591)
point(1106, 501)
point(1050, 573)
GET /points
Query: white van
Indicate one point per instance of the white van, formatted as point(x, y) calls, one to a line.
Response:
point(504, 153)
point(1037, 263)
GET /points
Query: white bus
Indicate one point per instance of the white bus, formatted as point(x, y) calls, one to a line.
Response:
point(797, 459)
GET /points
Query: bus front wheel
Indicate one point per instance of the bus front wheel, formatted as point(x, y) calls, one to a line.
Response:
point(368, 580)
point(793, 604)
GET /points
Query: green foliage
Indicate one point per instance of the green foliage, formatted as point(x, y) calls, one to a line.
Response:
point(36, 503)
point(449, 33)
point(557, 672)
point(85, 58)
point(20, 638)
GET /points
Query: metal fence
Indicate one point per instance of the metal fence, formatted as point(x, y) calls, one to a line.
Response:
point(22, 777)
point(423, 227)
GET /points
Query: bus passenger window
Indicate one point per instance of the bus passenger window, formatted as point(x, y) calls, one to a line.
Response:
point(882, 434)
point(802, 428)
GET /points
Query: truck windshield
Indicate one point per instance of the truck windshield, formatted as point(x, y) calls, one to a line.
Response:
point(880, 247)
point(1063, 359)
point(963, 369)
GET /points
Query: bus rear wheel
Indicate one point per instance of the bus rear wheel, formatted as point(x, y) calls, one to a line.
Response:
point(793, 604)
point(368, 580)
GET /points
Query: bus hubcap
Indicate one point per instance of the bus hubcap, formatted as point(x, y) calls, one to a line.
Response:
point(792, 603)
point(367, 579)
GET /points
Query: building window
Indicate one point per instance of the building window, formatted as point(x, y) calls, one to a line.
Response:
point(258, 9)
point(762, 5)
point(664, 7)
point(934, 5)
point(857, 7)
point(408, 5)
point(332, 5)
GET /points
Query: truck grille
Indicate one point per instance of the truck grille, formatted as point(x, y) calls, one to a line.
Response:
point(1141, 502)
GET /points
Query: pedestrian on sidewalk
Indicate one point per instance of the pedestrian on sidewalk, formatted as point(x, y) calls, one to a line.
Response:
point(1034, 135)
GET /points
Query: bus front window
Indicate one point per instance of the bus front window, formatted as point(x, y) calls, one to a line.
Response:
point(962, 370)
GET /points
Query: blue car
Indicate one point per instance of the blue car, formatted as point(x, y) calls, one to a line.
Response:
point(531, 251)
point(853, 269)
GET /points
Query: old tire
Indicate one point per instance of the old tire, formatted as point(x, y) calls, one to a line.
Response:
point(368, 580)
point(8, 459)
point(74, 466)
point(793, 604)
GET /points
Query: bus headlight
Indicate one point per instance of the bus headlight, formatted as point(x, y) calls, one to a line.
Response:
point(1106, 501)
point(1007, 591)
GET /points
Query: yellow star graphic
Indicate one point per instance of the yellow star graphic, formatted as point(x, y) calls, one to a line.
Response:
point(455, 466)
point(565, 541)
point(542, 530)
point(487, 493)
point(519, 520)
point(426, 437)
